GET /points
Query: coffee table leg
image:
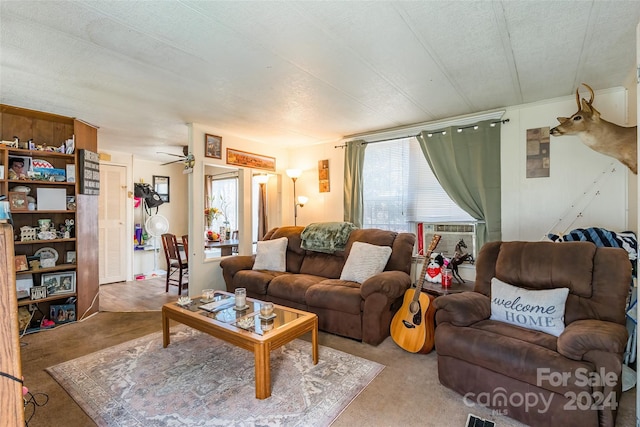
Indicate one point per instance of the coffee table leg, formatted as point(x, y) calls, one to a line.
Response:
point(263, 371)
point(165, 330)
point(314, 342)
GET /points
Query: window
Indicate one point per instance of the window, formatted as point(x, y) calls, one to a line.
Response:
point(400, 190)
point(224, 196)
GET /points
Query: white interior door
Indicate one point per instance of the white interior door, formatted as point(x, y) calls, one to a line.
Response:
point(112, 223)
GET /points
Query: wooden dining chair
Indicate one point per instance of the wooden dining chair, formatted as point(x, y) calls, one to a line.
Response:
point(234, 236)
point(185, 244)
point(177, 267)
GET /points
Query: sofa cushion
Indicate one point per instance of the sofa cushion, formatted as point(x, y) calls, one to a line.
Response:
point(488, 346)
point(365, 260)
point(255, 281)
point(541, 310)
point(337, 295)
point(292, 287)
point(271, 255)
point(321, 264)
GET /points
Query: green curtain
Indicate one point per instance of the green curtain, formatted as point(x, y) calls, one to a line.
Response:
point(467, 165)
point(353, 164)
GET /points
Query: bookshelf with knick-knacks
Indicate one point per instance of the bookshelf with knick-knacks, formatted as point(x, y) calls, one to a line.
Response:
point(55, 225)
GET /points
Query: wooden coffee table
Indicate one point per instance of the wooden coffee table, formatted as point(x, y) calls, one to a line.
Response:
point(246, 329)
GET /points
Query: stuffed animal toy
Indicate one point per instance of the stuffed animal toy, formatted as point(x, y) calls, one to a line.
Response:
point(434, 268)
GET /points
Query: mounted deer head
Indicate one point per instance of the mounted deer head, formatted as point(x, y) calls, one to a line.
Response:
point(600, 135)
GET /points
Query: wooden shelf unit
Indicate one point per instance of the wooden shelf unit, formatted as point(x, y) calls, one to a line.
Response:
point(53, 130)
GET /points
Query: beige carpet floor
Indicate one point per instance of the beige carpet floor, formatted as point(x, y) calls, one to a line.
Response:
point(405, 393)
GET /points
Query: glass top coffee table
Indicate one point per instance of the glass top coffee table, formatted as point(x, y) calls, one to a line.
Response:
point(245, 329)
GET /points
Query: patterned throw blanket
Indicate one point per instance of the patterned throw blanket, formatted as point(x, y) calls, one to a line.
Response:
point(327, 237)
point(602, 237)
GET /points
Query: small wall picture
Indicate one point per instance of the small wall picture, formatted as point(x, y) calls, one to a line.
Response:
point(323, 176)
point(59, 283)
point(21, 263)
point(213, 146)
point(70, 257)
point(161, 186)
point(18, 201)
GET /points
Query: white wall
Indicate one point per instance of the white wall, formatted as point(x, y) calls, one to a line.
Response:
point(206, 273)
point(175, 211)
point(321, 206)
point(139, 170)
point(532, 207)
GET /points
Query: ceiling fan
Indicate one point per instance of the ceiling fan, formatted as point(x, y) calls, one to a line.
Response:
point(187, 157)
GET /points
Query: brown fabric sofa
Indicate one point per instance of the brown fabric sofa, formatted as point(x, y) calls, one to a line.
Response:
point(497, 363)
point(312, 283)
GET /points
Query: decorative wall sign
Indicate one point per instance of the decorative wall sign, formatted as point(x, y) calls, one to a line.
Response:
point(250, 160)
point(89, 171)
point(538, 153)
point(213, 146)
point(323, 176)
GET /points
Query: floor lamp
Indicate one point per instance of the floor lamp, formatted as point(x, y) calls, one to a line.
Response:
point(294, 174)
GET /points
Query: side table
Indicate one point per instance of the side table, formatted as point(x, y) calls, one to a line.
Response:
point(437, 290)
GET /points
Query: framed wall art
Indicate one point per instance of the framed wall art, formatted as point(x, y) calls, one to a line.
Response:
point(212, 146)
point(250, 160)
point(161, 186)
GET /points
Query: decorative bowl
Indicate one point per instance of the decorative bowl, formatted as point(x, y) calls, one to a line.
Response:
point(184, 301)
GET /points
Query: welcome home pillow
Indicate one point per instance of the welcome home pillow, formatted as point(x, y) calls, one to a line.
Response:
point(365, 260)
point(271, 255)
point(537, 310)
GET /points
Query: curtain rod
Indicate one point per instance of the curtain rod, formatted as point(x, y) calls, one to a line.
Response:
point(460, 128)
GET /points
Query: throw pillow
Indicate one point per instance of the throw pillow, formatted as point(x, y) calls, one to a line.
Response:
point(541, 310)
point(365, 260)
point(271, 255)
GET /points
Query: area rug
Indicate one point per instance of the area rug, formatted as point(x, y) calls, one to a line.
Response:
point(199, 380)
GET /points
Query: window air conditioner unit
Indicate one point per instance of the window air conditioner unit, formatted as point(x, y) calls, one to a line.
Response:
point(451, 233)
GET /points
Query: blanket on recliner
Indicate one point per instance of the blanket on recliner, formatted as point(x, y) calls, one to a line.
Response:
point(327, 237)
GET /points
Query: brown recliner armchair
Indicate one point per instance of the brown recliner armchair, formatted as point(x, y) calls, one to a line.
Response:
point(540, 379)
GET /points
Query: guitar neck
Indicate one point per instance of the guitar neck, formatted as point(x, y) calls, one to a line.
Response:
point(432, 246)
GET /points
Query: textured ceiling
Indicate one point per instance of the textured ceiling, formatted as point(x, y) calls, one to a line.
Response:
point(293, 73)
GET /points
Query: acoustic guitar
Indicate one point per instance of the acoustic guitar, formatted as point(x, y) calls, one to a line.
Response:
point(412, 326)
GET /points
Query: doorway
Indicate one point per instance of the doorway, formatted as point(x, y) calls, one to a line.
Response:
point(112, 222)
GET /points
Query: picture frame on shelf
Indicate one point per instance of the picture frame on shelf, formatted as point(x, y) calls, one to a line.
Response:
point(26, 168)
point(250, 160)
point(213, 146)
point(62, 313)
point(21, 263)
point(161, 186)
point(70, 257)
point(18, 201)
point(38, 292)
point(59, 283)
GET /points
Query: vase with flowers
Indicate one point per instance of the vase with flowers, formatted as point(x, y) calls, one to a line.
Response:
point(211, 215)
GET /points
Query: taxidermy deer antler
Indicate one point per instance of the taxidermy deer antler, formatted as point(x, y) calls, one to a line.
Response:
point(600, 135)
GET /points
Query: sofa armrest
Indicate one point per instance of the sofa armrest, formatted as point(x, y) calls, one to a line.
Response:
point(393, 284)
point(463, 309)
point(583, 336)
point(231, 265)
